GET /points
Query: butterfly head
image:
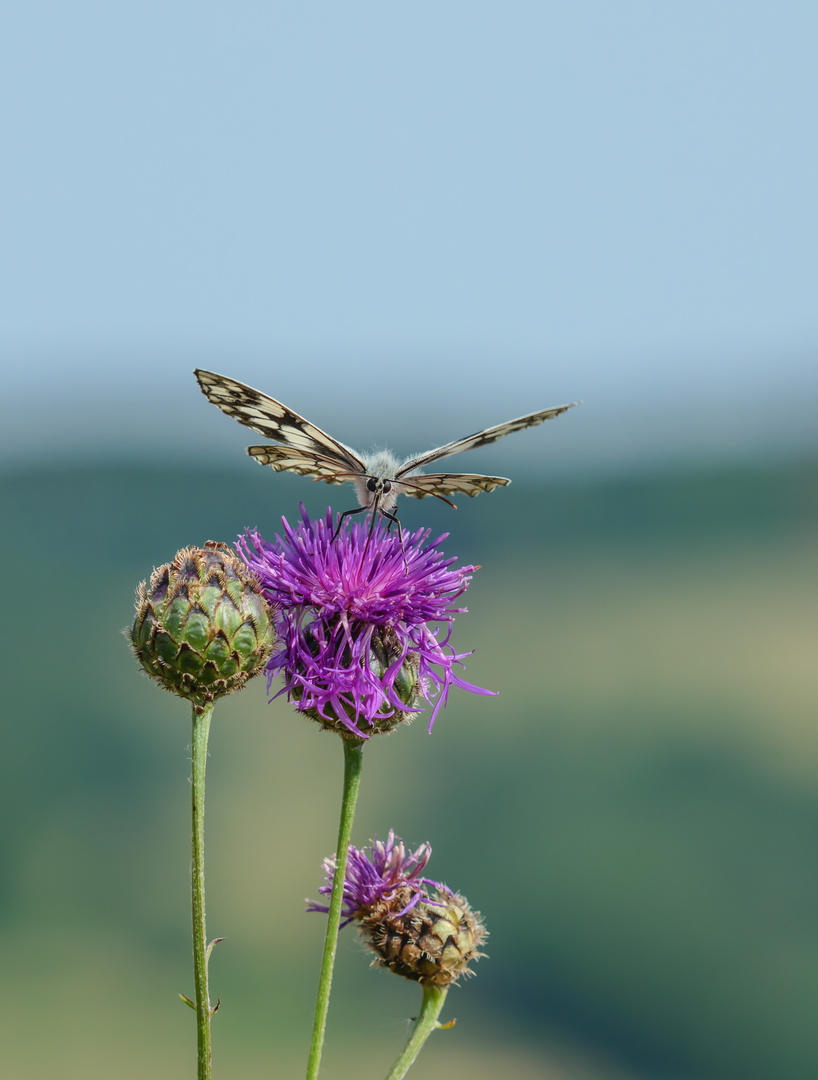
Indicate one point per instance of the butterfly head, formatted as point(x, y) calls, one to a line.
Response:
point(377, 488)
point(377, 492)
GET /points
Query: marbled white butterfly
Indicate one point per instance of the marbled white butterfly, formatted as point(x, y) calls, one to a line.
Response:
point(378, 477)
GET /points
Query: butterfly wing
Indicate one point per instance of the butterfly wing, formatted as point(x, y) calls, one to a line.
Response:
point(303, 462)
point(481, 438)
point(443, 484)
point(276, 422)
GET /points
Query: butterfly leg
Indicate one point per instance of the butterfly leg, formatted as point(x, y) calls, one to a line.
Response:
point(346, 514)
point(393, 520)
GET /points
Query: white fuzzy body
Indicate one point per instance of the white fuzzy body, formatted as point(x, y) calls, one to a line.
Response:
point(383, 465)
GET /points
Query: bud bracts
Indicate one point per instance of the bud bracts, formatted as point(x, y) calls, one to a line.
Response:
point(202, 626)
point(432, 943)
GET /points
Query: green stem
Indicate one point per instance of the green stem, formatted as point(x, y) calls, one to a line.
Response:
point(201, 730)
point(433, 999)
point(353, 759)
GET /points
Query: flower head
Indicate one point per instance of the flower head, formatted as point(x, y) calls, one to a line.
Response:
point(202, 627)
point(418, 928)
point(357, 651)
point(380, 872)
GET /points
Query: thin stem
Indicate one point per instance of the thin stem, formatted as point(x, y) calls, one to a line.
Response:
point(433, 999)
point(353, 759)
point(201, 730)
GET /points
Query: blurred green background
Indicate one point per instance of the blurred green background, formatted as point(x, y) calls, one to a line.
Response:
point(636, 815)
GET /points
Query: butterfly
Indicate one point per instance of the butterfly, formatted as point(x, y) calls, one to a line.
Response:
point(379, 477)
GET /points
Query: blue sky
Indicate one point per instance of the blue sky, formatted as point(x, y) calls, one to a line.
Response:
point(410, 221)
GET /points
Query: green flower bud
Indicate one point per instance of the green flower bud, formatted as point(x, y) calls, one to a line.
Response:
point(432, 943)
point(202, 627)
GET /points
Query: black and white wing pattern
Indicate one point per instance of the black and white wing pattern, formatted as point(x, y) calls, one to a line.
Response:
point(482, 438)
point(443, 484)
point(302, 447)
point(379, 477)
point(303, 462)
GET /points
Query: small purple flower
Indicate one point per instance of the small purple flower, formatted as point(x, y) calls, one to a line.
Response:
point(375, 873)
point(357, 649)
point(416, 927)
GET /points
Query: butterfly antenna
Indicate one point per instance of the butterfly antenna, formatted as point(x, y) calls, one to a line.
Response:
point(408, 483)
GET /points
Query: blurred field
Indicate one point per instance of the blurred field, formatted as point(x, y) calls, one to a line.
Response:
point(636, 815)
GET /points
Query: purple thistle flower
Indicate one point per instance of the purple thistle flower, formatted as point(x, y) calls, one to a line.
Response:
point(353, 622)
point(376, 873)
